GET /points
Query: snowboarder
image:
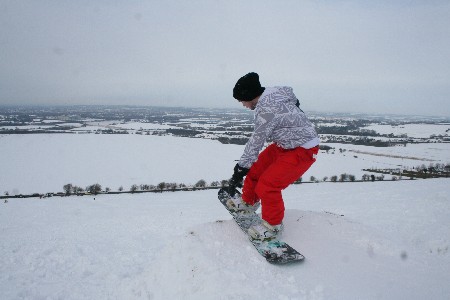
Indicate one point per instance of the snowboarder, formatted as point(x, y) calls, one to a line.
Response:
point(295, 144)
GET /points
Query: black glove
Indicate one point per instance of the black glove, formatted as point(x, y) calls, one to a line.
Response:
point(236, 179)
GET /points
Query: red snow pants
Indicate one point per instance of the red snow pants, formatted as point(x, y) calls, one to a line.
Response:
point(275, 169)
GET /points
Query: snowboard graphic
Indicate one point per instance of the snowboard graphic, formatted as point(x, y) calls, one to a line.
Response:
point(275, 251)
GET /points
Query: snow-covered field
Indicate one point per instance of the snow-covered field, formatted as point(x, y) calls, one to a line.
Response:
point(412, 130)
point(382, 240)
point(41, 163)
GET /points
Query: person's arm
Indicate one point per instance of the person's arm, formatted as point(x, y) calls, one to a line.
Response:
point(264, 126)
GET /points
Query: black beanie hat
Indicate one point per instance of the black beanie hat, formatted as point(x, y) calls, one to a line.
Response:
point(248, 87)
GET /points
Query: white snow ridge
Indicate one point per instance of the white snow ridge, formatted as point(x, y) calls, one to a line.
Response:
point(382, 240)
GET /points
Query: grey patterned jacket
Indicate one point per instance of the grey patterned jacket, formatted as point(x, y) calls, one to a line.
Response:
point(278, 120)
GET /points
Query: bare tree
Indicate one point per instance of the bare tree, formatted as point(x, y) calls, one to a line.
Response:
point(134, 188)
point(94, 189)
point(161, 186)
point(200, 184)
point(77, 189)
point(343, 177)
point(68, 188)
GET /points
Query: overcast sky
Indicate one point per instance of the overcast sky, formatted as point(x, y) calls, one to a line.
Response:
point(355, 56)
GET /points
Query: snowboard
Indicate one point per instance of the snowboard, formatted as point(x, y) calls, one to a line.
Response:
point(275, 251)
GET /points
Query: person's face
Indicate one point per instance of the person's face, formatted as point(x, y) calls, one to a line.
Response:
point(250, 104)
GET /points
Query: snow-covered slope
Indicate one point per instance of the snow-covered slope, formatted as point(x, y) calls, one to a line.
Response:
point(42, 163)
point(45, 163)
point(382, 240)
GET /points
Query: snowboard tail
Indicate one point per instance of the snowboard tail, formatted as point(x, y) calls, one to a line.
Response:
point(275, 251)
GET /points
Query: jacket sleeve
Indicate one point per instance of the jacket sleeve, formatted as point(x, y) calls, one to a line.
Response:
point(264, 126)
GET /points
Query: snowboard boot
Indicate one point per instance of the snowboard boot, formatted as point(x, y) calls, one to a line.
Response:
point(265, 232)
point(236, 204)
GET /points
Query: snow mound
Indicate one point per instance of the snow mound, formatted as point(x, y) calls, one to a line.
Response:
point(216, 260)
point(382, 240)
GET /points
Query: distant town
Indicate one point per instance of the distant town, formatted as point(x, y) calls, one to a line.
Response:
point(229, 126)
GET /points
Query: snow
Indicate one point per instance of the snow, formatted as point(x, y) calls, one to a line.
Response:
point(51, 121)
point(41, 163)
point(70, 124)
point(26, 127)
point(355, 158)
point(137, 126)
point(370, 240)
point(373, 240)
point(46, 162)
point(412, 130)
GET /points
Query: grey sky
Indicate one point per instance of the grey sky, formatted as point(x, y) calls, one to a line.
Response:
point(357, 56)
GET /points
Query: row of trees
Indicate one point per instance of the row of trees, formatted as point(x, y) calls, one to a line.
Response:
point(70, 189)
point(74, 189)
point(433, 168)
point(347, 178)
point(343, 177)
point(422, 171)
